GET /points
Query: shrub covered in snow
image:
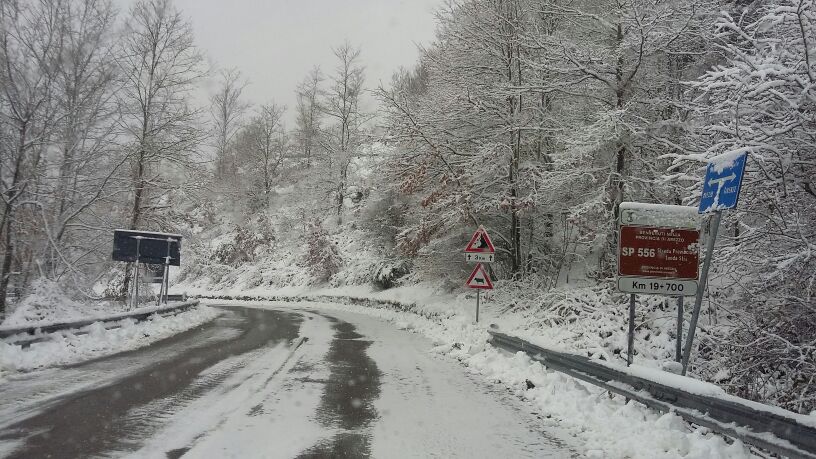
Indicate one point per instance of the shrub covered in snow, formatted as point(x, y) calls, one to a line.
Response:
point(244, 243)
point(386, 274)
point(322, 258)
point(772, 357)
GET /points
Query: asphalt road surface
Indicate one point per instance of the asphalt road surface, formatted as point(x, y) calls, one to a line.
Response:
point(270, 382)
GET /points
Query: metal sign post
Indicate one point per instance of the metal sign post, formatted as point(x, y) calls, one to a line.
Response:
point(698, 300)
point(721, 190)
point(678, 350)
point(478, 294)
point(165, 285)
point(631, 338)
point(480, 250)
point(135, 300)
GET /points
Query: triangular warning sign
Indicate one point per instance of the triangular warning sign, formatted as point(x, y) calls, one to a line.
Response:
point(479, 278)
point(480, 242)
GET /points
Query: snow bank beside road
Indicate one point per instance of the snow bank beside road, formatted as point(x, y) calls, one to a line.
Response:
point(47, 303)
point(71, 347)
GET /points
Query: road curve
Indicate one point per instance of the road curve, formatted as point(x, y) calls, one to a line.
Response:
point(269, 382)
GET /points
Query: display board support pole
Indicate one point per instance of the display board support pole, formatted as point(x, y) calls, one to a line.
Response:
point(698, 300)
point(133, 286)
point(478, 294)
point(678, 351)
point(135, 302)
point(631, 348)
point(165, 285)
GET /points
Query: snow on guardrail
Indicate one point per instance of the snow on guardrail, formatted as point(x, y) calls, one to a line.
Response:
point(770, 428)
point(23, 333)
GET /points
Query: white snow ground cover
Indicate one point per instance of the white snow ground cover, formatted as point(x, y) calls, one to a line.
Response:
point(603, 426)
point(96, 340)
point(47, 303)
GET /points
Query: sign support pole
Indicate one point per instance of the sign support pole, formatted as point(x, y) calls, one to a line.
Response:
point(631, 348)
point(698, 300)
point(678, 351)
point(478, 294)
point(165, 277)
point(132, 287)
point(135, 302)
point(166, 283)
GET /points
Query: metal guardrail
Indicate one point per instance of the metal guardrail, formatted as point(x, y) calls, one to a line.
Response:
point(343, 299)
point(745, 422)
point(31, 333)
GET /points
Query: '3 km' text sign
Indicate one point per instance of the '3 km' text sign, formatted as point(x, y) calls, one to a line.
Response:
point(658, 249)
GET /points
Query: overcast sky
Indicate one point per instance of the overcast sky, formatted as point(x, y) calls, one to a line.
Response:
point(274, 43)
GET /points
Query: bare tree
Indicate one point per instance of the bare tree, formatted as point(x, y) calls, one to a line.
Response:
point(227, 109)
point(29, 51)
point(308, 114)
point(86, 157)
point(467, 129)
point(342, 138)
point(262, 145)
point(160, 66)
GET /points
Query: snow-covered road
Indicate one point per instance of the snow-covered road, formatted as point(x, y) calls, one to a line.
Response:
point(271, 382)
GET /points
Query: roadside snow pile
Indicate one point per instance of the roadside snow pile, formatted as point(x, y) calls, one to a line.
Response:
point(71, 347)
point(590, 321)
point(47, 303)
point(608, 427)
point(594, 321)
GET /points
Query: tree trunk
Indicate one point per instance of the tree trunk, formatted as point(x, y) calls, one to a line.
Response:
point(136, 213)
point(341, 187)
point(7, 224)
point(7, 257)
point(514, 105)
point(618, 182)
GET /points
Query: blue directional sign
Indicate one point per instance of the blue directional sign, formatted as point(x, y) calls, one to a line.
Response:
point(723, 181)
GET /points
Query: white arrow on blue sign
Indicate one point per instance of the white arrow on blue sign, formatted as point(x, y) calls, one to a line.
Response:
point(723, 181)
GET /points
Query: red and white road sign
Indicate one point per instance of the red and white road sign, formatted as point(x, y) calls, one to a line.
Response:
point(650, 251)
point(479, 278)
point(658, 249)
point(480, 242)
